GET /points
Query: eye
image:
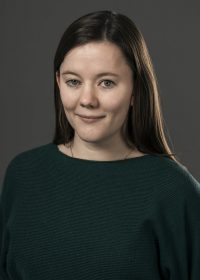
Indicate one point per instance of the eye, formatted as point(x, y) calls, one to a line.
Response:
point(107, 83)
point(74, 83)
point(71, 83)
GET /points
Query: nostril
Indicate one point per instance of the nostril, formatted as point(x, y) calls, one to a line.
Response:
point(87, 105)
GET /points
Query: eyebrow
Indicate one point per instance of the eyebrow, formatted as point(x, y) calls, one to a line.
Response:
point(98, 75)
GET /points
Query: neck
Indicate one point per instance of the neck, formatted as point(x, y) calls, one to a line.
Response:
point(92, 152)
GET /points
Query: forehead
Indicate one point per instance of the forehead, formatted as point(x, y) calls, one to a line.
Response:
point(97, 54)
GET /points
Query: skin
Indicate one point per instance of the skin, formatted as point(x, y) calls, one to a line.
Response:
point(87, 94)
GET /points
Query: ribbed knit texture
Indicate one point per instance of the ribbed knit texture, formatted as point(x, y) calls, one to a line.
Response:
point(64, 218)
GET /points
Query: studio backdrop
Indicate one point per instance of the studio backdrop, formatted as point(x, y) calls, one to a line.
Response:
point(30, 31)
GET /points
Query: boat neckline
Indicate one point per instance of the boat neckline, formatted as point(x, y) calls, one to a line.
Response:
point(63, 155)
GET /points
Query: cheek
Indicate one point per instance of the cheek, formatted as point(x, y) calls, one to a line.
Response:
point(119, 107)
point(68, 101)
point(68, 105)
point(118, 101)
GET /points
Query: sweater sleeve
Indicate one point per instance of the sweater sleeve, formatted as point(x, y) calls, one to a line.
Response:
point(5, 213)
point(2, 243)
point(176, 227)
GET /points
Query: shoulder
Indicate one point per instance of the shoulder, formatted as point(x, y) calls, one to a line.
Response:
point(24, 169)
point(170, 170)
point(33, 152)
point(25, 166)
point(174, 183)
point(28, 159)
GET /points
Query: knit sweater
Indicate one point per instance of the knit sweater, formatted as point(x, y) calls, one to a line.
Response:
point(64, 218)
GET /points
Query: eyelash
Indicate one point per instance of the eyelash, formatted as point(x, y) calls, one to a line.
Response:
point(67, 82)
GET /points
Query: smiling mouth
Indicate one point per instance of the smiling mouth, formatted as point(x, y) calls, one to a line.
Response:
point(90, 120)
point(91, 117)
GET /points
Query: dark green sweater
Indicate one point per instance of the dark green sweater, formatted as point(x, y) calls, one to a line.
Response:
point(64, 218)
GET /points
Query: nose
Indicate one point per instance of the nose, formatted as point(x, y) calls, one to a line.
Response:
point(88, 96)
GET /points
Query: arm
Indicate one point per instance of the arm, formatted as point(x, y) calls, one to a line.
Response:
point(5, 206)
point(177, 230)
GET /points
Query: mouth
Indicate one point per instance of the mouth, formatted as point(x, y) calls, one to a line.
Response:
point(90, 119)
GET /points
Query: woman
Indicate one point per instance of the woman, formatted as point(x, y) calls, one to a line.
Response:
point(106, 199)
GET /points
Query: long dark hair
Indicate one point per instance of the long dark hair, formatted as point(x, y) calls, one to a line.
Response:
point(144, 125)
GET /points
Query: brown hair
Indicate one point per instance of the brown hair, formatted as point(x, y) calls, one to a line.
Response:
point(144, 125)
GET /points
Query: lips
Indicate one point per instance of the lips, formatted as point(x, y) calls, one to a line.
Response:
point(90, 120)
point(91, 117)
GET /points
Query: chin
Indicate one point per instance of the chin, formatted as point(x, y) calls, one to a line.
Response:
point(90, 138)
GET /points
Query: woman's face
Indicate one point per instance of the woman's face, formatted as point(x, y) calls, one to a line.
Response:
point(95, 80)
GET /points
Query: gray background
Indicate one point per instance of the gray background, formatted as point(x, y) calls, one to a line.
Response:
point(29, 34)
